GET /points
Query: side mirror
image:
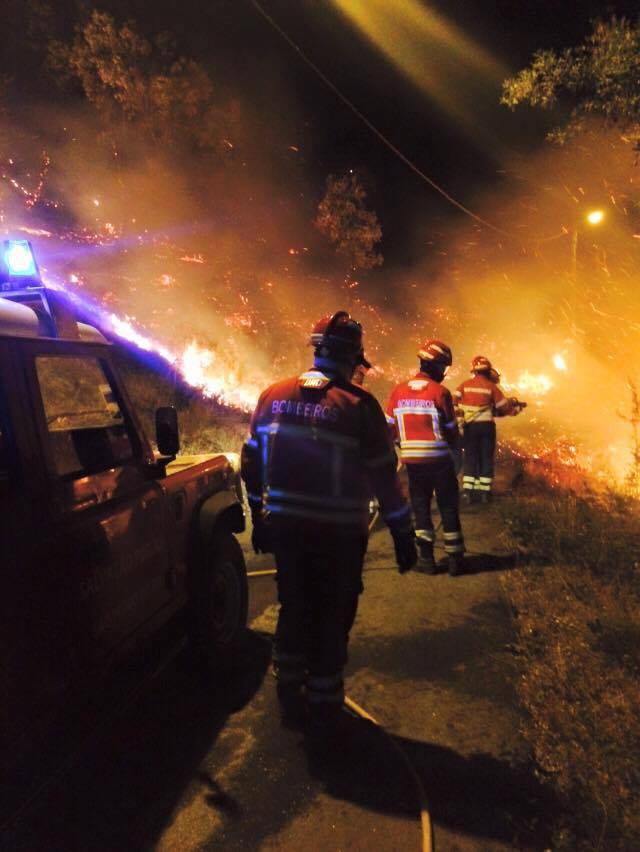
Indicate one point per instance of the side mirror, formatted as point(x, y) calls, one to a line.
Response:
point(167, 434)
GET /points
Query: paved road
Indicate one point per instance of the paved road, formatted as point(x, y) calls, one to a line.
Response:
point(196, 764)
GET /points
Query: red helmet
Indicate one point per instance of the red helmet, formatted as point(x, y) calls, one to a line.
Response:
point(480, 363)
point(339, 336)
point(437, 352)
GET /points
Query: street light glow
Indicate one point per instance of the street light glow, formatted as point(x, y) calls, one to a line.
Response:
point(594, 217)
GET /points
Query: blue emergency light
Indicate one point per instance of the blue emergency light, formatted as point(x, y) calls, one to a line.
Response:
point(19, 259)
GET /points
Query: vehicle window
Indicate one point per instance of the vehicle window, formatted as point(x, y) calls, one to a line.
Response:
point(86, 427)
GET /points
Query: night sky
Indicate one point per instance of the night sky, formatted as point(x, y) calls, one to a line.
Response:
point(511, 30)
point(251, 60)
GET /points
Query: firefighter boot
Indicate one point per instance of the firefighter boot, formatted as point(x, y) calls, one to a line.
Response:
point(485, 496)
point(293, 708)
point(426, 562)
point(456, 564)
point(324, 721)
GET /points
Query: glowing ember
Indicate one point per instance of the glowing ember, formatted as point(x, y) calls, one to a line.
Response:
point(537, 384)
point(559, 363)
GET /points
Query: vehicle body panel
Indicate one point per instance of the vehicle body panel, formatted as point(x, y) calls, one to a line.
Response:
point(89, 560)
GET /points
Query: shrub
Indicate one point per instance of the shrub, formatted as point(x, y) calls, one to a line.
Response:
point(598, 532)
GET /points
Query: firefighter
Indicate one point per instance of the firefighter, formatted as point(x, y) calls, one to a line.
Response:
point(479, 400)
point(319, 446)
point(421, 416)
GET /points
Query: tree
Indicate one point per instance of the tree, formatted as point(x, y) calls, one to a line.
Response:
point(344, 219)
point(127, 78)
point(600, 78)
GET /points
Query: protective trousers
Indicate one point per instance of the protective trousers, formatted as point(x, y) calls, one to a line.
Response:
point(318, 589)
point(440, 477)
point(479, 453)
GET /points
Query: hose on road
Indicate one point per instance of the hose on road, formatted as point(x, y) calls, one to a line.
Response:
point(425, 816)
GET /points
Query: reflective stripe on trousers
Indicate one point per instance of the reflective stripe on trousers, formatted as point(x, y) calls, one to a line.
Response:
point(426, 535)
point(289, 669)
point(453, 542)
point(326, 689)
point(480, 483)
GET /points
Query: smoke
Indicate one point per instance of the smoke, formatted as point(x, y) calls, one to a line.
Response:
point(216, 257)
point(556, 286)
point(188, 247)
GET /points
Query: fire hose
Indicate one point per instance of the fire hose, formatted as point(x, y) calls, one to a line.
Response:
point(425, 816)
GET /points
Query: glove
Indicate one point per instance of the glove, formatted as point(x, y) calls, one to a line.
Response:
point(261, 534)
point(404, 542)
point(517, 406)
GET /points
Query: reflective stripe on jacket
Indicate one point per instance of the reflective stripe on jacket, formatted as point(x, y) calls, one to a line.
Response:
point(318, 450)
point(421, 417)
point(479, 399)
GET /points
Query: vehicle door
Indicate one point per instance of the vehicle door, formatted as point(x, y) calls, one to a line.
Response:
point(104, 565)
point(23, 506)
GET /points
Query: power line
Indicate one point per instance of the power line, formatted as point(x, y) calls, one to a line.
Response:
point(389, 144)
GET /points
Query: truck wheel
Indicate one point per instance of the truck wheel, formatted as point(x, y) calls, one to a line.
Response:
point(220, 602)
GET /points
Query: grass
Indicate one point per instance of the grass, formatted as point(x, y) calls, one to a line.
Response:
point(205, 426)
point(577, 609)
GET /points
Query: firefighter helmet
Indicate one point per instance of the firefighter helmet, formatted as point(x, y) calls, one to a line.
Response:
point(339, 336)
point(480, 364)
point(437, 352)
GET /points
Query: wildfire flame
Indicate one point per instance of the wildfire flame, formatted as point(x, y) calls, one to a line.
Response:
point(558, 362)
point(244, 310)
point(197, 365)
point(532, 384)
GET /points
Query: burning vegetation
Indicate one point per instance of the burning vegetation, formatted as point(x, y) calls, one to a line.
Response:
point(150, 198)
point(147, 195)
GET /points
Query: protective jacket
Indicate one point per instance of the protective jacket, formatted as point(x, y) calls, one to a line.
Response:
point(421, 417)
point(318, 449)
point(479, 400)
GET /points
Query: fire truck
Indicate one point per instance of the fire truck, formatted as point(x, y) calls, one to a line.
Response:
point(102, 540)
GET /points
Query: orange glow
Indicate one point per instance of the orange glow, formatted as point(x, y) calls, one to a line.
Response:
point(432, 52)
point(559, 363)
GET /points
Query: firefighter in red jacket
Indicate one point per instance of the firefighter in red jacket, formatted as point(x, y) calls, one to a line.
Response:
point(319, 446)
point(421, 415)
point(479, 400)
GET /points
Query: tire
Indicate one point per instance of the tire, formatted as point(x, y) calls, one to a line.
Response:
point(219, 603)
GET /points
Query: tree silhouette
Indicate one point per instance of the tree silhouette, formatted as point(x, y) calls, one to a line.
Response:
point(344, 219)
point(599, 78)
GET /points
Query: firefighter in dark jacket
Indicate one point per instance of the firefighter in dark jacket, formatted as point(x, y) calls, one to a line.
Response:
point(318, 448)
point(421, 415)
point(479, 400)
